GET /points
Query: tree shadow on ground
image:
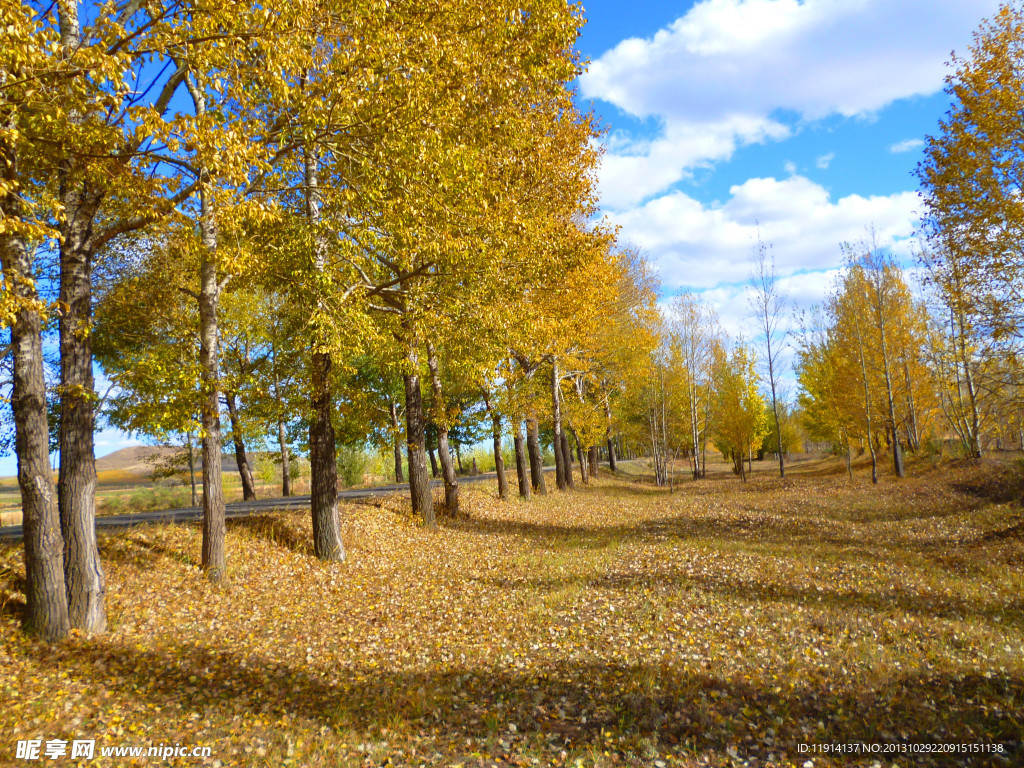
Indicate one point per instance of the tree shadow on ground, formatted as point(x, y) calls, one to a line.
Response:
point(274, 530)
point(572, 704)
point(991, 481)
point(820, 529)
point(845, 602)
point(137, 550)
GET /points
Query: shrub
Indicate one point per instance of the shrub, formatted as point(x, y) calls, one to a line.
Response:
point(352, 465)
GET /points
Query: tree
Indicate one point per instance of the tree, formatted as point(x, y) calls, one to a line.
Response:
point(971, 173)
point(146, 343)
point(693, 338)
point(740, 415)
point(769, 307)
point(974, 221)
point(879, 277)
point(827, 394)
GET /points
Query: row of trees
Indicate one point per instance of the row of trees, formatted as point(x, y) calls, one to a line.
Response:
point(971, 180)
point(360, 223)
point(292, 212)
point(882, 367)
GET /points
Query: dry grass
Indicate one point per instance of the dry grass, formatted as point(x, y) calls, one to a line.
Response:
point(725, 624)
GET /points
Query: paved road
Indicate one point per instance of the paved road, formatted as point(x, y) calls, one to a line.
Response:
point(244, 508)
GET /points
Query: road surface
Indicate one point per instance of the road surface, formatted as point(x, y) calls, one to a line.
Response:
point(243, 508)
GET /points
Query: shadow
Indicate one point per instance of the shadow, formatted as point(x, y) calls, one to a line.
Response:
point(273, 529)
point(737, 526)
point(14, 606)
point(813, 598)
point(819, 525)
point(605, 706)
point(990, 481)
point(12, 594)
point(137, 550)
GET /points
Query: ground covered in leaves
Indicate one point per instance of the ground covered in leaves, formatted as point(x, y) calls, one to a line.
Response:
point(724, 624)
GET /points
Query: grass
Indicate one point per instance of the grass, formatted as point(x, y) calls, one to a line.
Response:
point(724, 624)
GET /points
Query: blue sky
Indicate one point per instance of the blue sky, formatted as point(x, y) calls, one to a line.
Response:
point(803, 119)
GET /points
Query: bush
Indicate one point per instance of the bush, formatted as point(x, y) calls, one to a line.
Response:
point(352, 465)
point(268, 471)
point(298, 467)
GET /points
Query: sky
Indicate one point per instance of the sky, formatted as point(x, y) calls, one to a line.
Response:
point(799, 121)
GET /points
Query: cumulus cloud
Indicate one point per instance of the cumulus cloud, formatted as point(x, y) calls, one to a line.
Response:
point(908, 145)
point(633, 171)
point(720, 76)
point(702, 247)
point(732, 301)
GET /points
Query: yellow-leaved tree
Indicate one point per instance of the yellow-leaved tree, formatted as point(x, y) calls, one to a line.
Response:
point(974, 221)
point(740, 420)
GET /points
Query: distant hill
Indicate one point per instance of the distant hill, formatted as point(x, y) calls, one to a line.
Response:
point(137, 459)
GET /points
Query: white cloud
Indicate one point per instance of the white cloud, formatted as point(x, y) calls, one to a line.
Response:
point(720, 76)
point(633, 171)
point(907, 145)
point(709, 246)
point(824, 161)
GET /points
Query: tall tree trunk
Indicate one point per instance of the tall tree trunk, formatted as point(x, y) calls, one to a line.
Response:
point(849, 454)
point(881, 313)
point(451, 481)
point(975, 420)
point(458, 456)
point(435, 471)
point(214, 560)
point(867, 403)
point(241, 459)
point(45, 592)
point(536, 457)
point(561, 468)
point(913, 436)
point(693, 398)
point(282, 433)
point(897, 450)
point(47, 602)
point(396, 429)
point(499, 459)
point(323, 461)
point(286, 469)
point(579, 457)
point(567, 460)
point(76, 483)
point(521, 464)
point(214, 555)
point(416, 434)
point(192, 467)
point(608, 435)
point(323, 465)
point(655, 457)
point(592, 456)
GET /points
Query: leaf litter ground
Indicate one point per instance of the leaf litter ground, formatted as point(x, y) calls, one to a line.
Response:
point(723, 624)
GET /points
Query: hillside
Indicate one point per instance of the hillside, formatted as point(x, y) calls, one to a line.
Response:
point(136, 459)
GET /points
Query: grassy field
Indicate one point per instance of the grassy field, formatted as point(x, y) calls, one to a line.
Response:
point(724, 624)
